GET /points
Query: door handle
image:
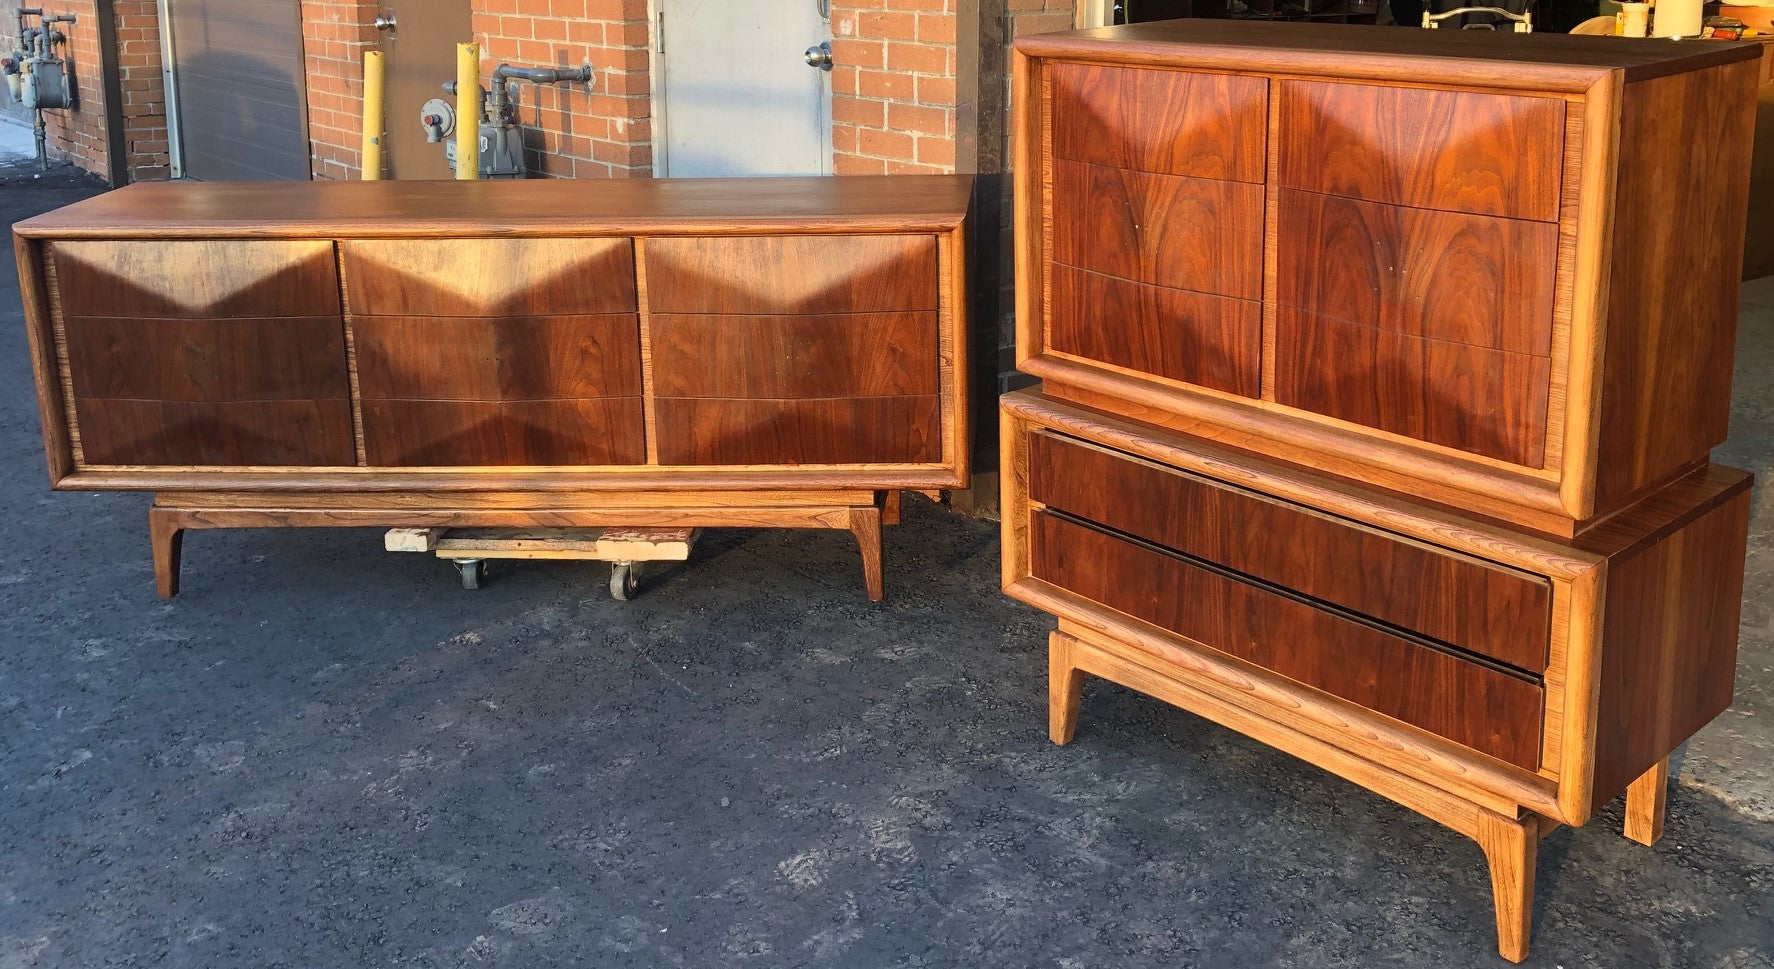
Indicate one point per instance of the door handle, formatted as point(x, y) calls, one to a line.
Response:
point(383, 21)
point(820, 56)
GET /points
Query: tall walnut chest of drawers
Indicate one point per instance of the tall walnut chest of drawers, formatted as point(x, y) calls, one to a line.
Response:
point(1381, 370)
point(682, 353)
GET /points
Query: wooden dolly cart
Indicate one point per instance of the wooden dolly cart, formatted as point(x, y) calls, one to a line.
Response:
point(471, 549)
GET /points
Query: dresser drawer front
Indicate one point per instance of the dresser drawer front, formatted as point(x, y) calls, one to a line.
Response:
point(1210, 341)
point(1489, 154)
point(1474, 399)
point(489, 277)
point(1488, 609)
point(510, 433)
point(497, 358)
point(1178, 122)
point(1472, 280)
point(195, 279)
point(1486, 709)
point(280, 358)
point(842, 431)
point(242, 433)
point(792, 357)
point(792, 274)
point(1197, 234)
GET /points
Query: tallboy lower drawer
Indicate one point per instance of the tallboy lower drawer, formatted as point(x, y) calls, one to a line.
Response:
point(1486, 708)
point(1440, 594)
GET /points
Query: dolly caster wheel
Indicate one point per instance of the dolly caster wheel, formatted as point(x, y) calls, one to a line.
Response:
point(474, 572)
point(624, 581)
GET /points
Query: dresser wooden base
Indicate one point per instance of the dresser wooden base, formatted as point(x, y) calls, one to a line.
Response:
point(1509, 838)
point(862, 513)
point(1496, 681)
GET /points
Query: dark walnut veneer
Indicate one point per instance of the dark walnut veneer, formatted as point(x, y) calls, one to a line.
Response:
point(1501, 273)
point(745, 351)
point(1380, 373)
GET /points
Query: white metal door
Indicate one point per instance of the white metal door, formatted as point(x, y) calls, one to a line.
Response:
point(738, 96)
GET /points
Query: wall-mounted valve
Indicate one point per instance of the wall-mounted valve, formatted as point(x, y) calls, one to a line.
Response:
point(12, 68)
point(439, 120)
point(35, 75)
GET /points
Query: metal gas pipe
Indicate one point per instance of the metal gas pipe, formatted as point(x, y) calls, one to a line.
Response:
point(35, 76)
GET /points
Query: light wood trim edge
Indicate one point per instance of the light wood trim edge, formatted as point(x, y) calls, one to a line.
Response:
point(1595, 231)
point(53, 406)
point(1319, 65)
point(299, 516)
point(1566, 238)
point(1271, 295)
point(1013, 464)
point(1582, 686)
point(540, 480)
point(1279, 702)
point(1209, 459)
point(643, 302)
point(951, 353)
point(59, 331)
point(1026, 179)
point(359, 441)
point(511, 500)
point(1099, 658)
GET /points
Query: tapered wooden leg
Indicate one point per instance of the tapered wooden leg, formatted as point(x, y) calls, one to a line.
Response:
point(890, 508)
point(865, 524)
point(1511, 846)
point(1644, 804)
point(1065, 689)
point(167, 535)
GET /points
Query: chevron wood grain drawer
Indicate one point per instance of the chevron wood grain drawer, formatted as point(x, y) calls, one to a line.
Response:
point(1499, 273)
point(779, 352)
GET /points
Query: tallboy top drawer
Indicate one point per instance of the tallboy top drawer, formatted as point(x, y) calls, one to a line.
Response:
point(1480, 606)
point(1172, 122)
point(1459, 151)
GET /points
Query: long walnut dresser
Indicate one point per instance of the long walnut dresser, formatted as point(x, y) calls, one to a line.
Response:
point(742, 352)
point(1381, 370)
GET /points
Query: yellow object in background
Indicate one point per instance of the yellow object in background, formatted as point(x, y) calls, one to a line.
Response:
point(468, 115)
point(375, 113)
point(1677, 18)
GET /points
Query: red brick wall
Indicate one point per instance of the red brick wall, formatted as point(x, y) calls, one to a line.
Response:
point(600, 130)
point(80, 135)
point(144, 90)
point(895, 105)
point(1039, 16)
point(335, 35)
point(571, 130)
point(893, 89)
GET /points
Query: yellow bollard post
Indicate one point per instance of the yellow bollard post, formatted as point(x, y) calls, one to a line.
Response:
point(468, 111)
point(375, 113)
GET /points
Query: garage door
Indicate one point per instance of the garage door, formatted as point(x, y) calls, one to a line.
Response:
point(237, 74)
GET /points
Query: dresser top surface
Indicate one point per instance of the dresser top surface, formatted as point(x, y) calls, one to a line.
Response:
point(724, 206)
point(1308, 48)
